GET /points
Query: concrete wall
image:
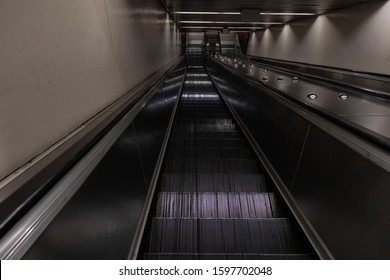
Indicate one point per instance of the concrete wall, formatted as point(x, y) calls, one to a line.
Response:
point(354, 38)
point(63, 61)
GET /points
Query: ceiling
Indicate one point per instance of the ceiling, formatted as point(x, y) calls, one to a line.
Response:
point(247, 15)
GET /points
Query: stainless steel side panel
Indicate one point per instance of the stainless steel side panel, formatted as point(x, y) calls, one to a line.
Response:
point(152, 122)
point(279, 132)
point(343, 191)
point(100, 219)
point(345, 197)
point(150, 126)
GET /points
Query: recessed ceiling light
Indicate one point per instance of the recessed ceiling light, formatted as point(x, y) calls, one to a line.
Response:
point(208, 13)
point(227, 22)
point(246, 27)
point(288, 14)
point(202, 27)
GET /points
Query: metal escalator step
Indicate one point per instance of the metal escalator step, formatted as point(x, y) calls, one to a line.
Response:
point(206, 134)
point(195, 88)
point(189, 256)
point(201, 102)
point(208, 153)
point(173, 235)
point(176, 182)
point(195, 114)
point(203, 121)
point(211, 108)
point(199, 91)
point(216, 205)
point(203, 105)
point(255, 236)
point(208, 143)
point(204, 127)
point(244, 166)
point(201, 110)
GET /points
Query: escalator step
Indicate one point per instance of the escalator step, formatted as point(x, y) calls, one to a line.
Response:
point(244, 166)
point(203, 121)
point(201, 104)
point(256, 236)
point(174, 182)
point(209, 153)
point(216, 205)
point(207, 143)
point(201, 110)
point(204, 127)
point(189, 256)
point(196, 114)
point(206, 134)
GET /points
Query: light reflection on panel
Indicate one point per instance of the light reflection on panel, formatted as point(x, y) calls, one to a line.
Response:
point(99, 219)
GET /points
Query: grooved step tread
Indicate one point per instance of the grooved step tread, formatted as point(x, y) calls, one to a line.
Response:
point(208, 143)
point(202, 101)
point(196, 114)
point(244, 166)
point(257, 236)
point(209, 153)
point(204, 127)
point(201, 110)
point(176, 182)
point(205, 134)
point(189, 256)
point(201, 105)
point(216, 205)
point(203, 121)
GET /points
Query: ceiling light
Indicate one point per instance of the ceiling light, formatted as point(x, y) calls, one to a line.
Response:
point(208, 13)
point(246, 27)
point(202, 27)
point(288, 14)
point(227, 22)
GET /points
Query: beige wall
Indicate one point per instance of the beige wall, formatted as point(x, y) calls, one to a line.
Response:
point(63, 61)
point(356, 38)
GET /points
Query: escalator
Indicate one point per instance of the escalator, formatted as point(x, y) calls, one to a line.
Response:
point(220, 191)
point(213, 200)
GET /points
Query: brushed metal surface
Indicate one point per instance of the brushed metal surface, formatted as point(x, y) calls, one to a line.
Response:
point(345, 197)
point(99, 220)
point(150, 126)
point(151, 123)
point(280, 132)
point(342, 191)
